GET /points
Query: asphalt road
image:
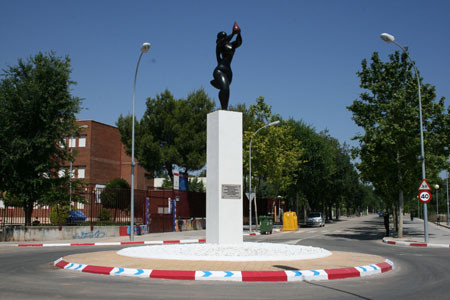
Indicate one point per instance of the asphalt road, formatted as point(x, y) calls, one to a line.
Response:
point(28, 273)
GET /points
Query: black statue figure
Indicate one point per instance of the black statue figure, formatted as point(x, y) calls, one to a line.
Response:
point(224, 53)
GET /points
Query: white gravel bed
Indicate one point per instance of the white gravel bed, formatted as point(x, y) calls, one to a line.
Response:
point(226, 252)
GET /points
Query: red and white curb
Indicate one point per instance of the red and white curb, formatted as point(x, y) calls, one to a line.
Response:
point(415, 244)
point(259, 233)
point(127, 243)
point(115, 243)
point(243, 276)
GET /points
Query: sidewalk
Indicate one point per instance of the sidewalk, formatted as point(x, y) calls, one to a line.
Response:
point(413, 232)
point(162, 236)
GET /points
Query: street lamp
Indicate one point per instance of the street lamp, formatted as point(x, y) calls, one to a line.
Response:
point(144, 49)
point(388, 38)
point(448, 223)
point(70, 172)
point(437, 203)
point(250, 174)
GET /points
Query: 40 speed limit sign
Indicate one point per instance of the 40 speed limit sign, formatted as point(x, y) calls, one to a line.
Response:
point(425, 196)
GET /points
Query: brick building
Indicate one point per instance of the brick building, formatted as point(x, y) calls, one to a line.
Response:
point(101, 156)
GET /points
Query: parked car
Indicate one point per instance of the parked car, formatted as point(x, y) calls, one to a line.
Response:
point(315, 219)
point(75, 216)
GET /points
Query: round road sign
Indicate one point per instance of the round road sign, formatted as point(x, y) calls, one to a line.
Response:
point(425, 196)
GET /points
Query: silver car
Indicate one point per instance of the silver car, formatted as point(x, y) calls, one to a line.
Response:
point(315, 219)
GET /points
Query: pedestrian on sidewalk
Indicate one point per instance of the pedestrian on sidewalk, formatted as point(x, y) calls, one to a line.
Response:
point(386, 222)
point(180, 224)
point(412, 215)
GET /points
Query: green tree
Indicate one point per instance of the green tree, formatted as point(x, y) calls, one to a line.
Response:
point(196, 185)
point(316, 169)
point(116, 194)
point(389, 114)
point(171, 133)
point(276, 155)
point(58, 191)
point(37, 112)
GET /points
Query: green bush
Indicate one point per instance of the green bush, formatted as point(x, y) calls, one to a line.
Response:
point(116, 195)
point(104, 215)
point(59, 214)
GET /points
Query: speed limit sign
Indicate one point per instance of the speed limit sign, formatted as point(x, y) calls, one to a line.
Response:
point(424, 196)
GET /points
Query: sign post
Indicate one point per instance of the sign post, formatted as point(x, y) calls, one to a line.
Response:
point(425, 197)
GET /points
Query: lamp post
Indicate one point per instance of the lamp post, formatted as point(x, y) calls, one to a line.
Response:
point(250, 174)
point(388, 38)
point(70, 172)
point(144, 49)
point(447, 201)
point(437, 203)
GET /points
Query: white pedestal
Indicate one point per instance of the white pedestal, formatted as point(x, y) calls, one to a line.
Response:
point(224, 178)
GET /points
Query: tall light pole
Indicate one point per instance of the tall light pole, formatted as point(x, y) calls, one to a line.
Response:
point(250, 174)
point(70, 172)
point(144, 49)
point(388, 38)
point(437, 203)
point(447, 201)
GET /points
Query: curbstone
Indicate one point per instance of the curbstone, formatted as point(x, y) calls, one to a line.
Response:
point(415, 244)
point(240, 276)
point(115, 243)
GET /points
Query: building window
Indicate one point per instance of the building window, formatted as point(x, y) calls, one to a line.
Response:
point(81, 172)
point(98, 192)
point(61, 173)
point(82, 141)
point(163, 210)
point(72, 142)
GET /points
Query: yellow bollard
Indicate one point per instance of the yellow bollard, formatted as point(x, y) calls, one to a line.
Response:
point(290, 222)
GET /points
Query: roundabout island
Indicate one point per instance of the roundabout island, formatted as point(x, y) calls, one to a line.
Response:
point(228, 262)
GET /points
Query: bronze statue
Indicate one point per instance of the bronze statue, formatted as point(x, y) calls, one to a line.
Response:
point(224, 53)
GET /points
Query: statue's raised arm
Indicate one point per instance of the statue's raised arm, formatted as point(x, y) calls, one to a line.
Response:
point(224, 53)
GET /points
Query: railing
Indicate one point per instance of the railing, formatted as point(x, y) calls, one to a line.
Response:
point(98, 203)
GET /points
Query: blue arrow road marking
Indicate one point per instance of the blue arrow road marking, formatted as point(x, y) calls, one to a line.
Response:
point(207, 274)
point(139, 272)
point(120, 271)
point(297, 273)
point(77, 268)
point(374, 267)
point(70, 266)
point(315, 273)
point(364, 269)
point(229, 274)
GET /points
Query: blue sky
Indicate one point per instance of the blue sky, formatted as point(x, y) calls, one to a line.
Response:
point(302, 56)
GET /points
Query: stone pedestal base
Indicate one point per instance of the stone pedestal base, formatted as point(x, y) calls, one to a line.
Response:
point(224, 178)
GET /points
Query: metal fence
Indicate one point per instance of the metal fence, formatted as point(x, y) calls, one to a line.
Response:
point(112, 207)
point(96, 204)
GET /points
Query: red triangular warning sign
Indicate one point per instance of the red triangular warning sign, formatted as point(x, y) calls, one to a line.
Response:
point(424, 186)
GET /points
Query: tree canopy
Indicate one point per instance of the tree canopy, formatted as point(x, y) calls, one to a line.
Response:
point(172, 133)
point(37, 112)
point(388, 111)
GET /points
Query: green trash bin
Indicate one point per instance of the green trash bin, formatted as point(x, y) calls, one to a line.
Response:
point(266, 224)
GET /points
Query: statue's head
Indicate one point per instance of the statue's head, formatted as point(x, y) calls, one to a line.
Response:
point(221, 35)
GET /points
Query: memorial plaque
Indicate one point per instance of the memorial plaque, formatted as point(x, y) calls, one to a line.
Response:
point(231, 191)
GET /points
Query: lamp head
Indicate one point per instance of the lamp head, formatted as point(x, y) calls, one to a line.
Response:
point(145, 47)
point(436, 186)
point(388, 38)
point(274, 123)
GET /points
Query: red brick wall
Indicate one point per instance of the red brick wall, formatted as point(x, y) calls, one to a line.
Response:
point(104, 156)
